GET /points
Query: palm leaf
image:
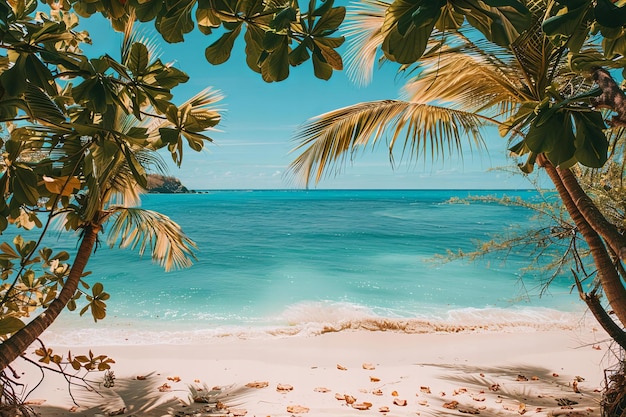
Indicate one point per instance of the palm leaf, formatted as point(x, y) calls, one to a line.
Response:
point(132, 35)
point(327, 139)
point(141, 229)
point(467, 82)
point(203, 102)
point(363, 31)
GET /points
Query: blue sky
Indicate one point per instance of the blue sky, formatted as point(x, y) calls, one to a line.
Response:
point(252, 147)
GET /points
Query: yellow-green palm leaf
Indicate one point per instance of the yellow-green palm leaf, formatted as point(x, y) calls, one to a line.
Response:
point(141, 229)
point(470, 82)
point(425, 129)
point(363, 29)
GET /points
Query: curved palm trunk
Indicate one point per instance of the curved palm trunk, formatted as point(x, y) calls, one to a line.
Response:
point(609, 278)
point(17, 344)
point(603, 318)
point(592, 214)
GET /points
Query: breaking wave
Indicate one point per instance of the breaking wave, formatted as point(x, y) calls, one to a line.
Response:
point(313, 319)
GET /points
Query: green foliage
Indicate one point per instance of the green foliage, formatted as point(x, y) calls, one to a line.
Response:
point(278, 35)
point(80, 135)
point(409, 23)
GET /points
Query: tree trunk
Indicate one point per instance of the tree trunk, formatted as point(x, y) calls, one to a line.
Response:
point(604, 319)
point(592, 214)
point(17, 344)
point(607, 273)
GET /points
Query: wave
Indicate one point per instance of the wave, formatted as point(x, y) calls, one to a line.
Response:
point(314, 319)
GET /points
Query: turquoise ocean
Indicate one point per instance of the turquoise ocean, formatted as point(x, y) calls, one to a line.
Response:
point(297, 263)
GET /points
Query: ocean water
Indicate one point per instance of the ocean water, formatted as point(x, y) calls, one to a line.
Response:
point(292, 263)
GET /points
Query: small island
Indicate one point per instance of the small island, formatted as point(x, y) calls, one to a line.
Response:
point(161, 184)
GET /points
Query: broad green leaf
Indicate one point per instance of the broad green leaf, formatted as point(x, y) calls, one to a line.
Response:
point(323, 9)
point(7, 251)
point(170, 77)
point(273, 40)
point(591, 142)
point(39, 74)
point(329, 22)
point(276, 66)
point(206, 17)
point(543, 137)
point(609, 15)
point(330, 55)
point(409, 48)
point(10, 325)
point(13, 80)
point(25, 186)
point(138, 59)
point(566, 21)
point(322, 69)
point(176, 22)
point(499, 25)
point(283, 19)
point(219, 51)
point(148, 10)
point(195, 140)
point(169, 135)
point(97, 289)
point(298, 55)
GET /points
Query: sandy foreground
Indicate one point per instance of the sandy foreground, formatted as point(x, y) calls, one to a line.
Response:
point(350, 374)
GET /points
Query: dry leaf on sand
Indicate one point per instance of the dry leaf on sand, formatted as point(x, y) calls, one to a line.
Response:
point(369, 366)
point(394, 393)
point(377, 392)
point(425, 390)
point(362, 406)
point(341, 367)
point(238, 412)
point(165, 387)
point(284, 388)
point(349, 399)
point(141, 377)
point(258, 384)
point(452, 405)
point(398, 401)
point(340, 397)
point(374, 379)
point(384, 409)
point(173, 378)
point(34, 402)
point(297, 409)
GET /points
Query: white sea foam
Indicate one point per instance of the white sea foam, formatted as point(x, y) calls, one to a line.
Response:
point(316, 318)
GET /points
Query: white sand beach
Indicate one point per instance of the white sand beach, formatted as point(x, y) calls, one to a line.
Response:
point(335, 374)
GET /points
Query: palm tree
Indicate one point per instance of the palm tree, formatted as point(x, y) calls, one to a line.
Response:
point(527, 90)
point(110, 152)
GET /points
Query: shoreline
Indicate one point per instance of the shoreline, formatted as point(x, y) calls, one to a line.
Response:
point(410, 374)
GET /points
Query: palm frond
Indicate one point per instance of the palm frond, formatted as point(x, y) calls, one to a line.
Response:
point(141, 229)
point(202, 104)
point(133, 35)
point(327, 139)
point(363, 30)
point(466, 82)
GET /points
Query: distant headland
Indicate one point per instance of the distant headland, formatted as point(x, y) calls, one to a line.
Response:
point(161, 184)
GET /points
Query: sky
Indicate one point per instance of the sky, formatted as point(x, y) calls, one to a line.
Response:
point(252, 147)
